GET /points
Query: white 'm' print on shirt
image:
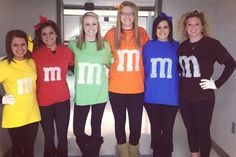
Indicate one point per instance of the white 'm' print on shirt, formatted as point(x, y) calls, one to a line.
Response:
point(185, 61)
point(130, 54)
point(52, 74)
point(163, 62)
point(25, 86)
point(90, 68)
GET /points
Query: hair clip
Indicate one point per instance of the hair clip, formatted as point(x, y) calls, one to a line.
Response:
point(42, 19)
point(162, 14)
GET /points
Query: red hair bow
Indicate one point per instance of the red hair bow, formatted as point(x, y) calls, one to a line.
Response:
point(42, 20)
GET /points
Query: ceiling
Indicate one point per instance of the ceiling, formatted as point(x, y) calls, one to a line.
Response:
point(143, 3)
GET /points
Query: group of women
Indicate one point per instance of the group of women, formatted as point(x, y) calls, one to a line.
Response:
point(159, 74)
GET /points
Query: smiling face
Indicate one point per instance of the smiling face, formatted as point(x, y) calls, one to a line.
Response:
point(162, 31)
point(19, 48)
point(127, 18)
point(90, 25)
point(49, 37)
point(194, 28)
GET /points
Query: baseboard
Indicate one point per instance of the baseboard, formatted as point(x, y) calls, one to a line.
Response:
point(219, 150)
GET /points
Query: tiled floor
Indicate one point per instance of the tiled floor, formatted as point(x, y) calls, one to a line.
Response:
point(108, 147)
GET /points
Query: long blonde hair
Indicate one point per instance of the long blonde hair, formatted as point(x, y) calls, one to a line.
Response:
point(135, 27)
point(81, 38)
point(181, 25)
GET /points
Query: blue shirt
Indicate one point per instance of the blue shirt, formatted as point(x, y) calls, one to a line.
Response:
point(161, 73)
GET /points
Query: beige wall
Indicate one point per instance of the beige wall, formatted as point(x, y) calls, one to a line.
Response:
point(23, 14)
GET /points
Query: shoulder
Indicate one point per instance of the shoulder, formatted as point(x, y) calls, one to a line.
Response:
point(175, 43)
point(72, 45)
point(31, 61)
point(38, 51)
point(211, 40)
point(63, 48)
point(4, 67)
point(72, 42)
point(183, 46)
point(3, 62)
point(149, 43)
point(110, 33)
point(184, 43)
point(142, 30)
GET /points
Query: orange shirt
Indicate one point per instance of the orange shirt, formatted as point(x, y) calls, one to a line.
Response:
point(126, 74)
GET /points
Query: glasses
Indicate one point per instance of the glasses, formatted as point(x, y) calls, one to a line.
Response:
point(126, 14)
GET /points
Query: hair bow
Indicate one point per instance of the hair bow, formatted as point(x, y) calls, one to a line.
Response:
point(165, 16)
point(42, 19)
point(30, 43)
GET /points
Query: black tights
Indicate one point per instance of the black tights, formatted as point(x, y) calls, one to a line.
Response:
point(133, 103)
point(80, 116)
point(23, 139)
point(58, 113)
point(197, 117)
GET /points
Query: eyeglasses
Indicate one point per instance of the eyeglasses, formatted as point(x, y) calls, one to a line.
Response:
point(126, 14)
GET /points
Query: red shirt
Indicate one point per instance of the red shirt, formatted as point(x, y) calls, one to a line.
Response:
point(51, 74)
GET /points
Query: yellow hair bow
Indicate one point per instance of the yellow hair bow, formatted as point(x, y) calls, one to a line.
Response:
point(30, 43)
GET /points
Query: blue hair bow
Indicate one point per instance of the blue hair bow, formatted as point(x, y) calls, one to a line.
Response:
point(165, 16)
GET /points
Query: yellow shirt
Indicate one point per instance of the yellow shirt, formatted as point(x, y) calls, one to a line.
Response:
point(19, 79)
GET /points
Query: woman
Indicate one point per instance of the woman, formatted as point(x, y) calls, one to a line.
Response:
point(197, 55)
point(52, 61)
point(161, 85)
point(92, 55)
point(126, 77)
point(20, 108)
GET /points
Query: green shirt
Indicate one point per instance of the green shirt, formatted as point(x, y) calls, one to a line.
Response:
point(91, 82)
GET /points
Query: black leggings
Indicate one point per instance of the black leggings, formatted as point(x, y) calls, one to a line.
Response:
point(60, 114)
point(133, 103)
point(197, 118)
point(23, 139)
point(162, 119)
point(80, 116)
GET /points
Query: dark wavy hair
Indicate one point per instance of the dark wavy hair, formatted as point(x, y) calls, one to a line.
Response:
point(9, 37)
point(37, 36)
point(156, 23)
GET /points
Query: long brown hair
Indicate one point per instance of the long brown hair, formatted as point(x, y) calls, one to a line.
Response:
point(135, 26)
point(38, 40)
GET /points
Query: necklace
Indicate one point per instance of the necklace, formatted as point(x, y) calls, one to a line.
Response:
point(194, 45)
